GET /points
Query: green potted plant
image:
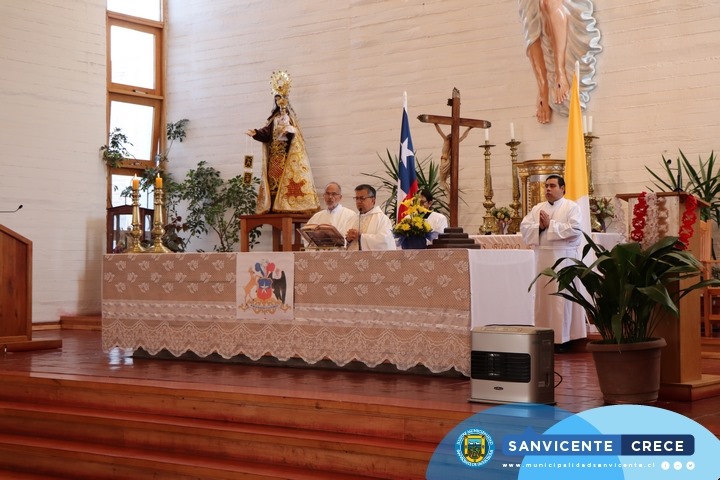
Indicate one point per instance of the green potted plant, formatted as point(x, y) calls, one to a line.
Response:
point(214, 204)
point(115, 151)
point(626, 292)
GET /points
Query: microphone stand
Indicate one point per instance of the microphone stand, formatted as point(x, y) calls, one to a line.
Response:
point(11, 211)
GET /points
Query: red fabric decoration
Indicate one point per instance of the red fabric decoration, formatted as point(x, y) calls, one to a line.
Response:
point(688, 222)
point(639, 219)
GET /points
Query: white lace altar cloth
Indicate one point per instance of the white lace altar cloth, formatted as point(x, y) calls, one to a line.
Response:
point(405, 308)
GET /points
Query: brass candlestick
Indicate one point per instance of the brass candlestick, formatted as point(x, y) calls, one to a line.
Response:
point(489, 223)
point(158, 231)
point(136, 232)
point(515, 205)
point(589, 137)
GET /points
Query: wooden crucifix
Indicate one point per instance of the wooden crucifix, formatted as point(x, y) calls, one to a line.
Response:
point(455, 123)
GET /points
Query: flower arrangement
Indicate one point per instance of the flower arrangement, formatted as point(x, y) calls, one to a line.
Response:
point(503, 218)
point(413, 224)
point(503, 214)
point(601, 208)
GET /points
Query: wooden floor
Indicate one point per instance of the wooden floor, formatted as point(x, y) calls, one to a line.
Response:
point(81, 355)
point(81, 358)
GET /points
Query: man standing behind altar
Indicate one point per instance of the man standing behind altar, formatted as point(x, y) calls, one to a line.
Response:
point(373, 230)
point(335, 214)
point(437, 220)
point(554, 230)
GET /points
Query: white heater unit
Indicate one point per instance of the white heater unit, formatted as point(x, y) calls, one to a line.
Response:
point(512, 364)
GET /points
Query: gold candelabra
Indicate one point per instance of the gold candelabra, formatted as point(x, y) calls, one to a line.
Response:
point(158, 230)
point(515, 205)
point(589, 137)
point(136, 231)
point(489, 223)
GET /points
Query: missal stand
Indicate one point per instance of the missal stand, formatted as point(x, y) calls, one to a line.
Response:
point(680, 376)
point(16, 294)
point(322, 237)
point(283, 227)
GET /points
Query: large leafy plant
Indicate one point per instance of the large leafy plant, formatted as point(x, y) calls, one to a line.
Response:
point(626, 291)
point(428, 175)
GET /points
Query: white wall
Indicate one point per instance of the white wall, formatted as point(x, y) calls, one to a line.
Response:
point(350, 62)
point(52, 122)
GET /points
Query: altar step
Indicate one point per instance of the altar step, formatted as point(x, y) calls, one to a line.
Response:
point(95, 428)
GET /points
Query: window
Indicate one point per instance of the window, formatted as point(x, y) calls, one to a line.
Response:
point(135, 84)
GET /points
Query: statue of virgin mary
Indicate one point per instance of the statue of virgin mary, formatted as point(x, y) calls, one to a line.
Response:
point(287, 184)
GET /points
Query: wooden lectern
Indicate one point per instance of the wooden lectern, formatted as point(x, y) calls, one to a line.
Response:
point(16, 294)
point(680, 375)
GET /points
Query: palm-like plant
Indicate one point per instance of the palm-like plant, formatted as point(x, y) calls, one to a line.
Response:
point(428, 175)
point(703, 182)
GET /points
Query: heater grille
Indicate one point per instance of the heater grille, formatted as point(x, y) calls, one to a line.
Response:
point(501, 366)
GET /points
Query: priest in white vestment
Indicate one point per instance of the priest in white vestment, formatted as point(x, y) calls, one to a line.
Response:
point(553, 230)
point(373, 230)
point(335, 214)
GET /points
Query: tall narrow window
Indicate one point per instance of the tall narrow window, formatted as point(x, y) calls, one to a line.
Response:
point(135, 84)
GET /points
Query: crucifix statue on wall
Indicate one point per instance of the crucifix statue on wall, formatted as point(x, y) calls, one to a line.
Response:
point(453, 154)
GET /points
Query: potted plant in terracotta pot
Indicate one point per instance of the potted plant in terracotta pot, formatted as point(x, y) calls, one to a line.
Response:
point(626, 292)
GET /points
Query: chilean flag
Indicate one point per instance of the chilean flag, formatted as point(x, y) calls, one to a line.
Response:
point(407, 178)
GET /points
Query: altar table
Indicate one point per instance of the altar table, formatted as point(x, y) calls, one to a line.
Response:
point(405, 307)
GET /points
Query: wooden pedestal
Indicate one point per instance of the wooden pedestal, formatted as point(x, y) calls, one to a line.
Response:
point(283, 229)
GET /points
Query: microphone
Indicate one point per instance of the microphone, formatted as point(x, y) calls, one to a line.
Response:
point(678, 187)
point(11, 211)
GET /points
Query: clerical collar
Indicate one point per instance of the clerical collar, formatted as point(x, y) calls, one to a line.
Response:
point(558, 201)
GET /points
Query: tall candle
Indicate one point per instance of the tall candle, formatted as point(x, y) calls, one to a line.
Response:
point(487, 134)
point(590, 124)
point(585, 130)
point(135, 183)
point(512, 131)
point(158, 181)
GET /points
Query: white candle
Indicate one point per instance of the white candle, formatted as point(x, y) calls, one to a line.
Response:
point(512, 131)
point(590, 124)
point(584, 124)
point(487, 134)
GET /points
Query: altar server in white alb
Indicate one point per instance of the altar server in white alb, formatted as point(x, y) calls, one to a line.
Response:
point(554, 230)
point(335, 214)
point(373, 230)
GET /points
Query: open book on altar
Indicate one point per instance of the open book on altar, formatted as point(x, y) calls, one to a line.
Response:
point(322, 235)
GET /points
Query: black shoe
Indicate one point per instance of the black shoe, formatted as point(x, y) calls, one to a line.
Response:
point(562, 347)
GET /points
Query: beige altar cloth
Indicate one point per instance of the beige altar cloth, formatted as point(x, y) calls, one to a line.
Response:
point(403, 307)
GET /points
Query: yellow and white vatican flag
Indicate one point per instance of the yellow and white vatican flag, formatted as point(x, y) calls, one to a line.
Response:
point(576, 173)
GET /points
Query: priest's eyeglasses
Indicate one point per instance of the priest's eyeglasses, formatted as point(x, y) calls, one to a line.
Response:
point(362, 199)
point(332, 194)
